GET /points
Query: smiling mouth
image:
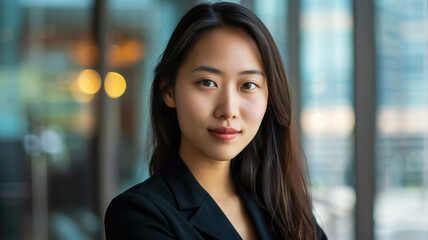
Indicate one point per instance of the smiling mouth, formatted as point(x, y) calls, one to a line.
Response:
point(224, 133)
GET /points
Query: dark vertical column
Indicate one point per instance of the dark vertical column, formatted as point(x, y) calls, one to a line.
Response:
point(293, 71)
point(106, 143)
point(95, 159)
point(365, 107)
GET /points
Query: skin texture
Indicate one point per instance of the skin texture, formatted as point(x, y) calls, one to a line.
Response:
point(221, 83)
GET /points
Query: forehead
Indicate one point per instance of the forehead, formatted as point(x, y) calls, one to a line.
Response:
point(233, 33)
point(225, 47)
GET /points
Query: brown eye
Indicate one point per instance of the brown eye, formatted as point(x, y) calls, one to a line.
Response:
point(207, 83)
point(249, 86)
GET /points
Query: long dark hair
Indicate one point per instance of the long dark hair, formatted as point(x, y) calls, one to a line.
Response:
point(271, 166)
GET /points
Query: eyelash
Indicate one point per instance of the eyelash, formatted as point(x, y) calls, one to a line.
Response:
point(255, 86)
point(201, 82)
point(213, 84)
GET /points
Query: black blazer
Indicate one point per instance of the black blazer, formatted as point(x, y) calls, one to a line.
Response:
point(172, 205)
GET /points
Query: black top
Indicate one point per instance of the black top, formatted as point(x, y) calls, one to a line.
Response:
point(172, 205)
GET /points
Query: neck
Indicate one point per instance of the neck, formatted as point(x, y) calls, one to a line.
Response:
point(213, 175)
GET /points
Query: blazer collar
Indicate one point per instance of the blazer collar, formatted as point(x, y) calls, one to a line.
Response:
point(259, 216)
point(208, 217)
point(186, 189)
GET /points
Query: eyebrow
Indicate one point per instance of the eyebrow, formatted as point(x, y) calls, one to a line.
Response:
point(217, 71)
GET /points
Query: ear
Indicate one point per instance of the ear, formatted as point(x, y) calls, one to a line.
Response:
point(168, 98)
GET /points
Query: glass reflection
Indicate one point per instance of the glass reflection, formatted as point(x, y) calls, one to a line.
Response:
point(46, 122)
point(401, 205)
point(327, 115)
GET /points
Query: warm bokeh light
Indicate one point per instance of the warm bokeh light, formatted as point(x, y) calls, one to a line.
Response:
point(89, 81)
point(78, 94)
point(125, 53)
point(114, 84)
point(84, 53)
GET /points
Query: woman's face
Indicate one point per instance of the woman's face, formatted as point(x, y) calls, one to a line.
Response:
point(220, 95)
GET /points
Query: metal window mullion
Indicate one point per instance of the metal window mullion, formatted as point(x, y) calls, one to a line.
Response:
point(293, 61)
point(365, 110)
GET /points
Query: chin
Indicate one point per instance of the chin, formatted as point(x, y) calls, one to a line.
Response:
point(223, 155)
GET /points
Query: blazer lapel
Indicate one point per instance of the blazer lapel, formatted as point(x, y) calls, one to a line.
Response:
point(190, 195)
point(257, 214)
point(210, 219)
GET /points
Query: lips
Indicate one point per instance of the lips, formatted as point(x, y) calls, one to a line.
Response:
point(224, 133)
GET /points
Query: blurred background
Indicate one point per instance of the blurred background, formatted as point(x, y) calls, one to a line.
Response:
point(75, 77)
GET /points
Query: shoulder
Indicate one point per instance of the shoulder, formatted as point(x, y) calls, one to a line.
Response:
point(139, 211)
point(152, 191)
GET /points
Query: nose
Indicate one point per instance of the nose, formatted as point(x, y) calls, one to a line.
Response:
point(227, 105)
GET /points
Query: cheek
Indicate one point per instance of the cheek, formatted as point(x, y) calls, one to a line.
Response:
point(255, 111)
point(192, 109)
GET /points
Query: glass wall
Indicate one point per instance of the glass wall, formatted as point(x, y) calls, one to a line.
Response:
point(46, 121)
point(273, 13)
point(401, 206)
point(327, 115)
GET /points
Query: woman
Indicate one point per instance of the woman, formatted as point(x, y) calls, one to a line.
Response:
point(226, 164)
